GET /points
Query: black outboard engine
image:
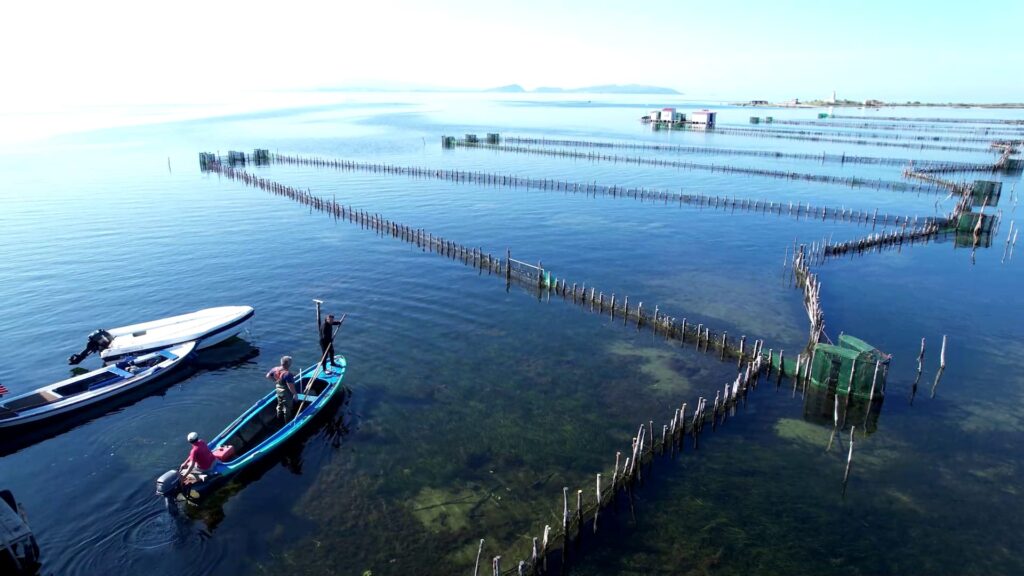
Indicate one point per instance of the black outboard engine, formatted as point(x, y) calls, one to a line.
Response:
point(98, 341)
point(168, 485)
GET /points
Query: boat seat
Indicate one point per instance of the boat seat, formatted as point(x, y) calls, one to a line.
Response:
point(40, 398)
point(305, 398)
point(120, 372)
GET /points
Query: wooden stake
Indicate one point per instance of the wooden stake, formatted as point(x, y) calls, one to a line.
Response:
point(849, 457)
point(920, 357)
point(544, 547)
point(476, 569)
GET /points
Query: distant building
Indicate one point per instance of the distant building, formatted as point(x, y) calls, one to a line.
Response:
point(665, 115)
point(704, 118)
point(833, 100)
point(758, 102)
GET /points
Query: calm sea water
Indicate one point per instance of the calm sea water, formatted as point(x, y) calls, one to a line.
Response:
point(471, 406)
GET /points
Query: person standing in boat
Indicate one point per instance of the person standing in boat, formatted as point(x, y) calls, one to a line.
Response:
point(200, 458)
point(284, 385)
point(327, 342)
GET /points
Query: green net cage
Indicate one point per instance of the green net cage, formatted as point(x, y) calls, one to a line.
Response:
point(849, 367)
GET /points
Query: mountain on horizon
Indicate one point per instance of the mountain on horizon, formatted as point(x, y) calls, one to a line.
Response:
point(507, 88)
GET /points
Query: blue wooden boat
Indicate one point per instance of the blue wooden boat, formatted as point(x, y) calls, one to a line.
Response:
point(99, 387)
point(257, 433)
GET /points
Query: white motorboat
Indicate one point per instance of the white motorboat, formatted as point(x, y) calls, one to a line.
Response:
point(207, 327)
point(90, 388)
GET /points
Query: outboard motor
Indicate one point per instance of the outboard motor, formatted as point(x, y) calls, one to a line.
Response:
point(98, 341)
point(168, 485)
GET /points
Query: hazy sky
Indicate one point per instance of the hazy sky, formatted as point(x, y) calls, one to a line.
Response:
point(106, 52)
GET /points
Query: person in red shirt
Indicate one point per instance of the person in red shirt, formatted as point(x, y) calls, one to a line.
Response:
point(200, 458)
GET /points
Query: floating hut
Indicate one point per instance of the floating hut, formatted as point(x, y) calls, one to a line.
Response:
point(849, 367)
point(665, 116)
point(705, 118)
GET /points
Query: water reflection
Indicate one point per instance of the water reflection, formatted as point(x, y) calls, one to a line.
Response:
point(826, 407)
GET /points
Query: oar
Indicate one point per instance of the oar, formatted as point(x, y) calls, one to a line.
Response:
point(316, 372)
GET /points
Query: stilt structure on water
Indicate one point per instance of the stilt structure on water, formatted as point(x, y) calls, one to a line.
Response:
point(850, 368)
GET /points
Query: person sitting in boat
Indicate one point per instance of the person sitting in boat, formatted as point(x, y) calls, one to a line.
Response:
point(327, 342)
point(200, 459)
point(284, 385)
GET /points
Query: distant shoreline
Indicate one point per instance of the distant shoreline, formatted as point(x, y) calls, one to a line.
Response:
point(879, 104)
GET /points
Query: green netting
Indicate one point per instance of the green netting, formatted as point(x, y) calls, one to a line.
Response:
point(833, 364)
point(986, 192)
point(969, 220)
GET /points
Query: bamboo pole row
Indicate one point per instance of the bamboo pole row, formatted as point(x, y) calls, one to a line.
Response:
point(627, 476)
point(823, 157)
point(797, 210)
point(811, 287)
point(1012, 122)
point(534, 277)
point(795, 135)
point(916, 232)
point(475, 257)
point(851, 181)
point(912, 138)
point(907, 127)
point(882, 240)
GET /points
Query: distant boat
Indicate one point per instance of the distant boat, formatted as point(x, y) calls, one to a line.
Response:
point(19, 553)
point(207, 327)
point(77, 392)
point(257, 433)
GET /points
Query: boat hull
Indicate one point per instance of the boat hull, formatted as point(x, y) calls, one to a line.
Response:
point(269, 436)
point(57, 401)
point(207, 327)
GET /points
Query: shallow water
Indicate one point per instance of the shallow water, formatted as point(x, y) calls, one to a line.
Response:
point(472, 405)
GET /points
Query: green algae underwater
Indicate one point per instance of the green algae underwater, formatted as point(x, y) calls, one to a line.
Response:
point(471, 407)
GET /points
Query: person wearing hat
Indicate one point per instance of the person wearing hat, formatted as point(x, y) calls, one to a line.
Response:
point(327, 341)
point(200, 458)
point(284, 385)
